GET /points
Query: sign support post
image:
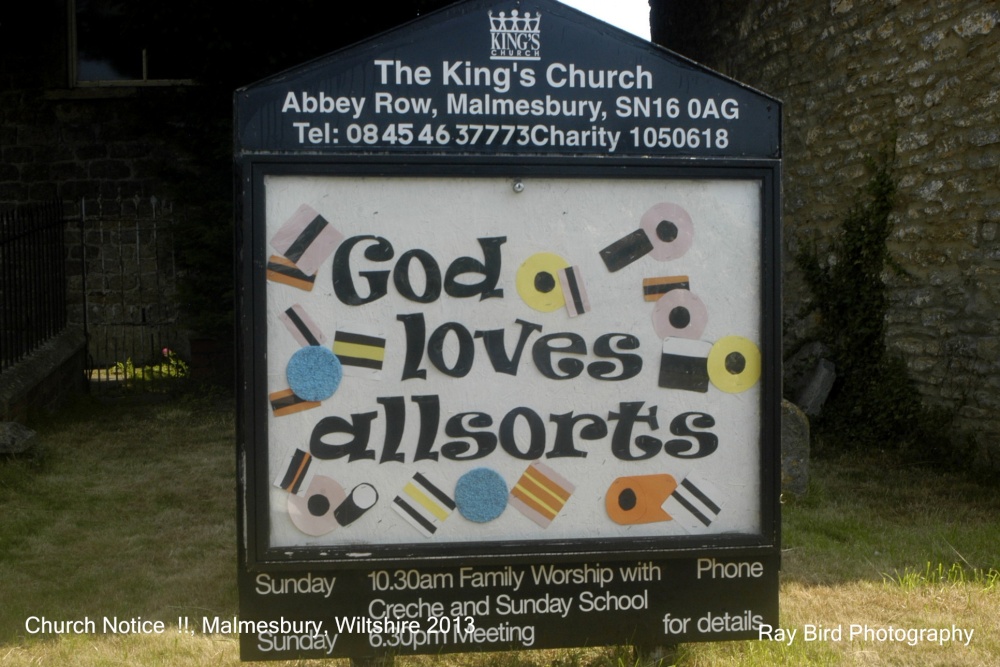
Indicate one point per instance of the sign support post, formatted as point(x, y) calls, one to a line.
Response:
point(509, 315)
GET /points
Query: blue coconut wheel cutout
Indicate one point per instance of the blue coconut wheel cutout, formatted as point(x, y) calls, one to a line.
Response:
point(314, 373)
point(481, 495)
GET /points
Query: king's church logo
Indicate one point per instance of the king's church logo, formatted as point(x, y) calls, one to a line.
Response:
point(515, 37)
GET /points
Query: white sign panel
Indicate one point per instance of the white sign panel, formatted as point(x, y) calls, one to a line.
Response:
point(480, 360)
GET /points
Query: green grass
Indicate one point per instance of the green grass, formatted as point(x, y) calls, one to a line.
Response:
point(125, 511)
point(129, 510)
point(956, 574)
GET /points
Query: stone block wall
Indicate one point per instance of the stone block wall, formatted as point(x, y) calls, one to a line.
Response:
point(122, 281)
point(82, 143)
point(923, 77)
point(119, 160)
point(44, 380)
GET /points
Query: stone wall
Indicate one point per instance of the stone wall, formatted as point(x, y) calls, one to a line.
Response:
point(45, 379)
point(103, 143)
point(126, 163)
point(922, 77)
point(123, 281)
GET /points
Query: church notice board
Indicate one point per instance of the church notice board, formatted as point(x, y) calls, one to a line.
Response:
point(509, 344)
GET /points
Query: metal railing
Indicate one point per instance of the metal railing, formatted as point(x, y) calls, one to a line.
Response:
point(32, 279)
point(129, 297)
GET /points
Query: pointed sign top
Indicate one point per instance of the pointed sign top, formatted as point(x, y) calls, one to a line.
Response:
point(521, 77)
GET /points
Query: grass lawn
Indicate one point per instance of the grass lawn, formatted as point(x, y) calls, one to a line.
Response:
point(129, 511)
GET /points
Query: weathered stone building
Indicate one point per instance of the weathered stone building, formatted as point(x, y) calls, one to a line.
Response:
point(918, 76)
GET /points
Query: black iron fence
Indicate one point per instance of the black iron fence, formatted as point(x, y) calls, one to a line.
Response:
point(129, 295)
point(32, 279)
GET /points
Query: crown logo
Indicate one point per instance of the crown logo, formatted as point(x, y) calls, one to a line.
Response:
point(515, 23)
point(515, 37)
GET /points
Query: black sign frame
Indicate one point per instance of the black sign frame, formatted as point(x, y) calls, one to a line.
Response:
point(746, 599)
point(253, 461)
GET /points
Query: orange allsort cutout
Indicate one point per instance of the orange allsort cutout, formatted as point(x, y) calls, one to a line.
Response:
point(639, 499)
